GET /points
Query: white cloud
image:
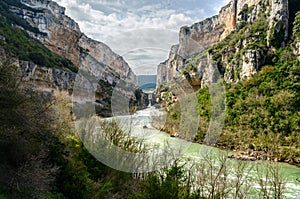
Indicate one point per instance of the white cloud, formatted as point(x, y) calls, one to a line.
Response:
point(128, 26)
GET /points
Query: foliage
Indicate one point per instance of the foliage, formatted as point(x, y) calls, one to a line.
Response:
point(26, 142)
point(259, 110)
point(189, 67)
point(261, 107)
point(205, 109)
point(3, 196)
point(173, 184)
point(215, 176)
point(294, 7)
point(83, 176)
point(296, 27)
point(41, 157)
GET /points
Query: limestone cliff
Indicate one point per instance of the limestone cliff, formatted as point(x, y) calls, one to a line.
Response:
point(265, 21)
point(47, 78)
point(62, 35)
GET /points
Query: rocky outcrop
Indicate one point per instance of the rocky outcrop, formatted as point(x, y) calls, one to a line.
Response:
point(110, 62)
point(203, 34)
point(251, 61)
point(161, 74)
point(278, 31)
point(46, 77)
point(199, 37)
point(166, 70)
point(62, 35)
point(208, 71)
point(297, 49)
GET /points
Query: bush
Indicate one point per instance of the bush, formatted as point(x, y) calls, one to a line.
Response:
point(174, 184)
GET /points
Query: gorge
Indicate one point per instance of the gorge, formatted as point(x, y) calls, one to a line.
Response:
point(228, 94)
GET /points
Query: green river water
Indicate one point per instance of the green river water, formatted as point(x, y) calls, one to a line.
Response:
point(194, 152)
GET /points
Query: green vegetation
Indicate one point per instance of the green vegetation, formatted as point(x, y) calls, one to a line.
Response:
point(296, 26)
point(213, 177)
point(27, 145)
point(41, 156)
point(262, 112)
point(265, 108)
point(189, 68)
point(254, 33)
point(44, 158)
point(173, 185)
point(294, 7)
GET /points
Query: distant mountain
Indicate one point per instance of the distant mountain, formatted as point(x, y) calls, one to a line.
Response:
point(147, 82)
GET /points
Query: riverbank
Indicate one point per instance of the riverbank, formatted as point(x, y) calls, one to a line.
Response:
point(199, 157)
point(283, 155)
point(251, 155)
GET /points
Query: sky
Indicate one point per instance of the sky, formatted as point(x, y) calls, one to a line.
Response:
point(142, 31)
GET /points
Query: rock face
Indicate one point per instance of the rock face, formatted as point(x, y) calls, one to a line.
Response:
point(251, 60)
point(203, 34)
point(47, 77)
point(297, 49)
point(111, 62)
point(280, 21)
point(62, 35)
point(101, 71)
point(199, 37)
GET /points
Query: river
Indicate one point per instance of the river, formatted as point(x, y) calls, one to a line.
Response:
point(141, 127)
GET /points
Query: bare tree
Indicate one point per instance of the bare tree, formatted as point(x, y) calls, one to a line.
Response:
point(271, 180)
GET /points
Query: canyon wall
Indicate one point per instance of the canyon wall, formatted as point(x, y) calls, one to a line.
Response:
point(62, 35)
point(199, 37)
point(94, 60)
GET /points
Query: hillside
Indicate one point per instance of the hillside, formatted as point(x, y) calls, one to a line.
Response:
point(252, 49)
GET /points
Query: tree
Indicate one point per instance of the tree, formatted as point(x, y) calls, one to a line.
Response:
point(26, 140)
point(172, 183)
point(296, 28)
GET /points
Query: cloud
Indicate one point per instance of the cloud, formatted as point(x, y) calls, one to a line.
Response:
point(128, 25)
